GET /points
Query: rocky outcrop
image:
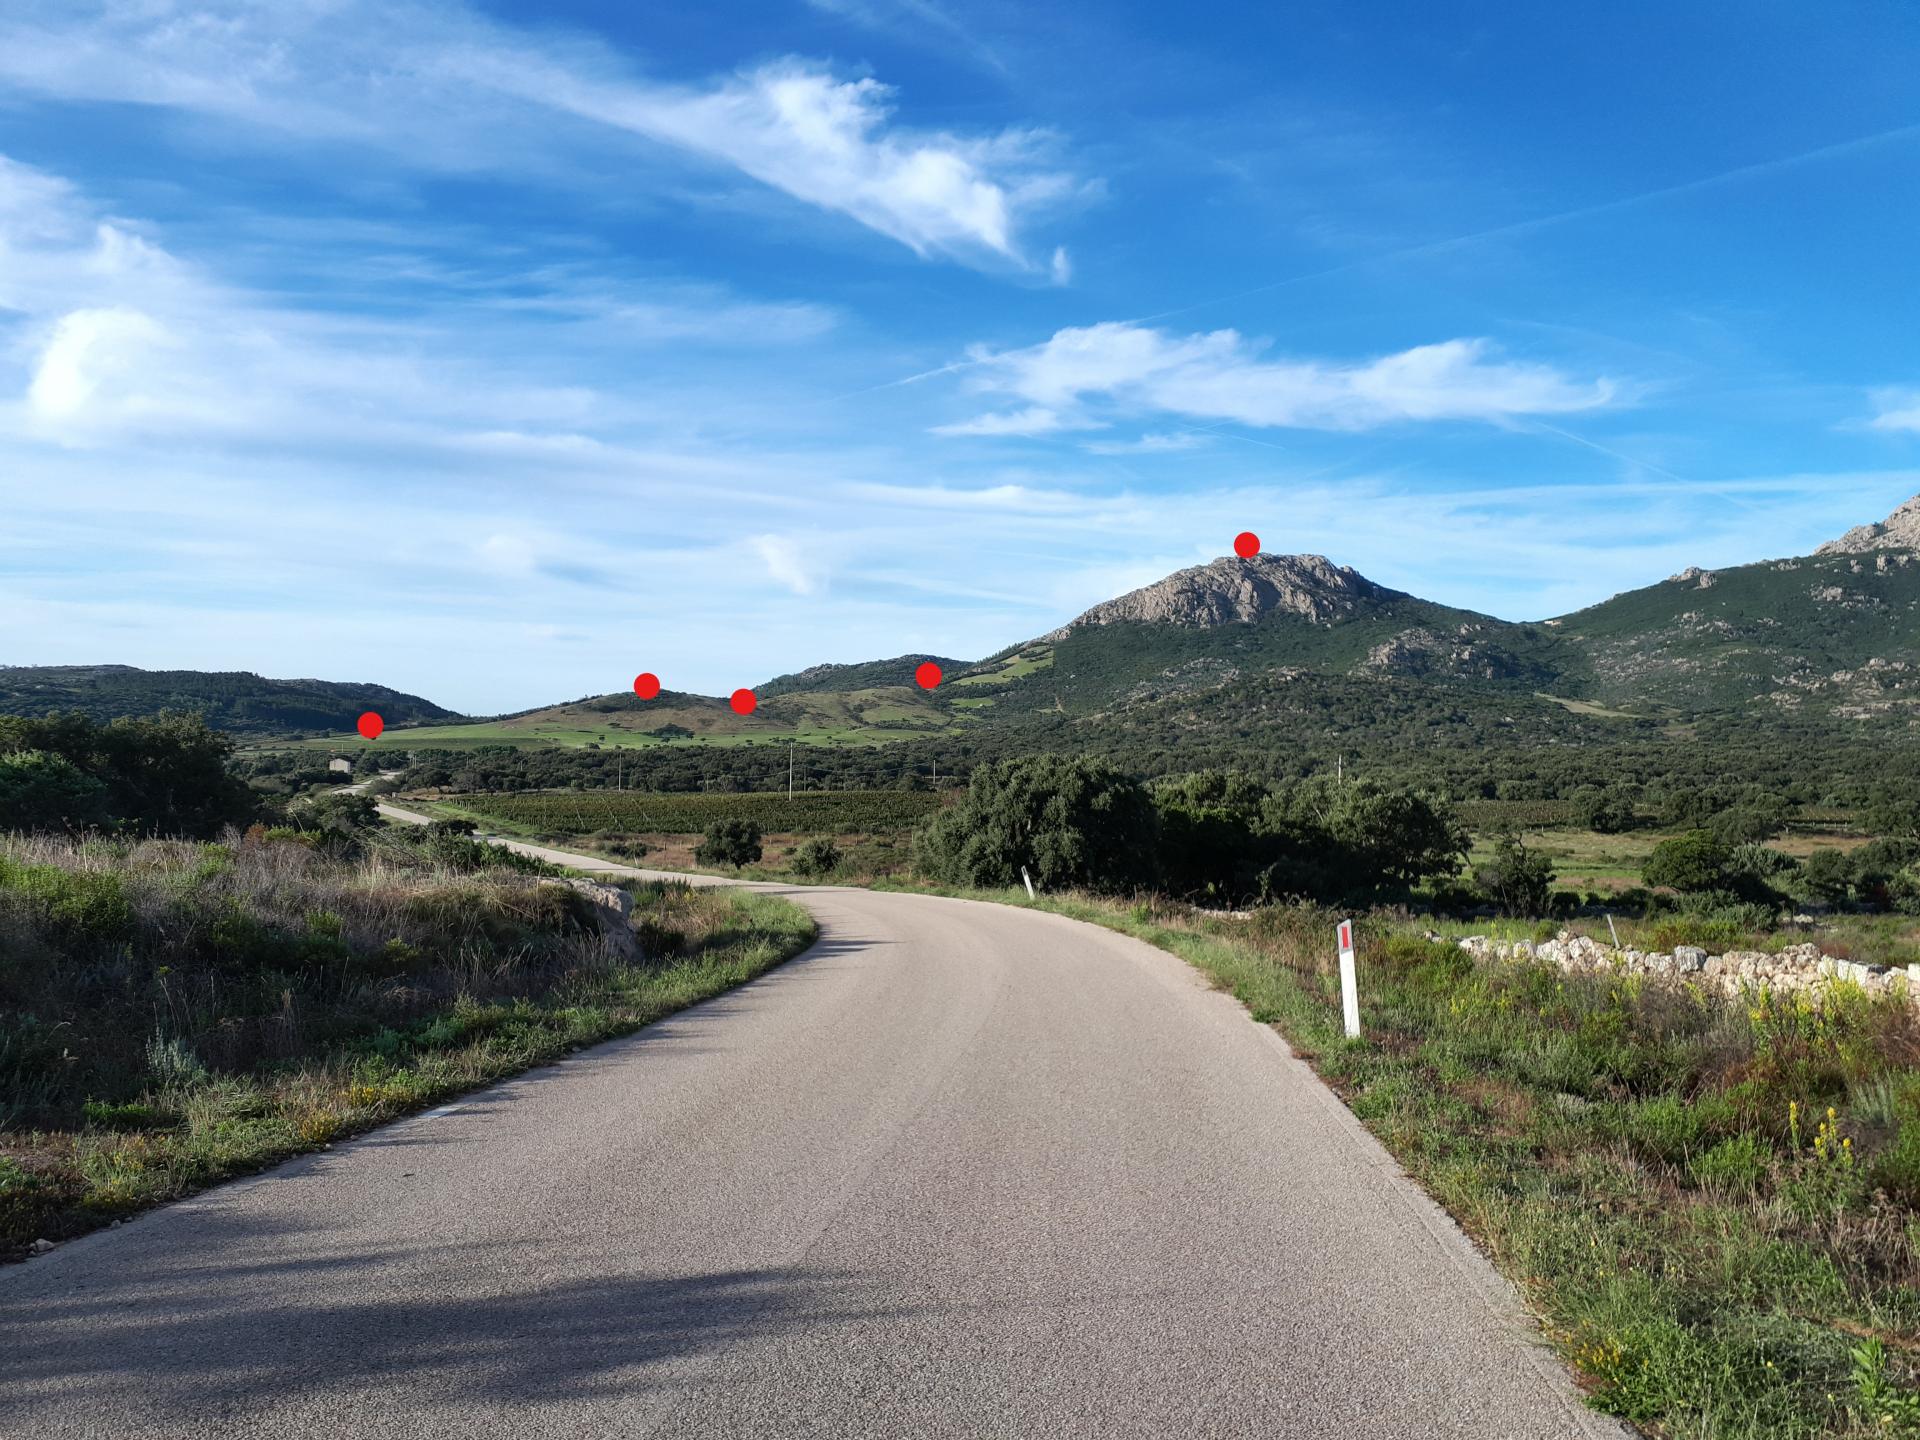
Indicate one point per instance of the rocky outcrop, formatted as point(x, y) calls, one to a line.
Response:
point(612, 912)
point(1899, 531)
point(1797, 968)
point(1422, 652)
point(1693, 575)
point(1231, 590)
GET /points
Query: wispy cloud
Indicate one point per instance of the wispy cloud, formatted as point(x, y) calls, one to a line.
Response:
point(443, 86)
point(1895, 409)
point(1162, 443)
point(1221, 375)
point(789, 562)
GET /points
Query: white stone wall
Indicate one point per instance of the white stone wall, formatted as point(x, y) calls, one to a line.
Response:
point(1798, 967)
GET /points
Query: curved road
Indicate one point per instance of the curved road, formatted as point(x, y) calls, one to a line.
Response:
point(959, 1170)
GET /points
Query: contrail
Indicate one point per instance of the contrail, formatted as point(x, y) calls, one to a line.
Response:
point(1541, 222)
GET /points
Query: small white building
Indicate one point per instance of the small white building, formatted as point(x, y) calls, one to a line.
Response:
point(345, 767)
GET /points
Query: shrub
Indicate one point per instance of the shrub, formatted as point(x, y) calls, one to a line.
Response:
point(41, 791)
point(818, 856)
point(163, 775)
point(730, 842)
point(75, 906)
point(1826, 876)
point(1516, 880)
point(1736, 1165)
point(1068, 822)
point(1695, 861)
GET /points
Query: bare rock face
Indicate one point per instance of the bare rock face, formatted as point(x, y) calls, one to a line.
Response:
point(1693, 575)
point(1899, 531)
point(1231, 590)
point(612, 911)
point(1420, 651)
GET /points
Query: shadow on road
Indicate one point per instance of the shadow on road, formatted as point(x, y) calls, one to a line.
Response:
point(241, 1333)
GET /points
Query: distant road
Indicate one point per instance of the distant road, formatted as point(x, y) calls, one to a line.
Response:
point(960, 1170)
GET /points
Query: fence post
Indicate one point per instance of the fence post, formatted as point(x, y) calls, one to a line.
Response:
point(1349, 984)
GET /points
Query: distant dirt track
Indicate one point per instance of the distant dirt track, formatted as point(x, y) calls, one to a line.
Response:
point(960, 1170)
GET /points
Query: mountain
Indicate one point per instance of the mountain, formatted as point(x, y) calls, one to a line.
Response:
point(1899, 531)
point(1268, 651)
point(238, 701)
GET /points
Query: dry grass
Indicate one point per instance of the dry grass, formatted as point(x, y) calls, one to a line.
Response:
point(171, 1014)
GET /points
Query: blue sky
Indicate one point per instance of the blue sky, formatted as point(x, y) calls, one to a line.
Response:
point(499, 352)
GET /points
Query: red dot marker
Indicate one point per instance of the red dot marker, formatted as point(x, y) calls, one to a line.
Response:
point(1246, 544)
point(743, 702)
point(646, 685)
point(371, 725)
point(928, 674)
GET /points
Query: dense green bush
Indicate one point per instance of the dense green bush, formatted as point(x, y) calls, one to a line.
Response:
point(44, 791)
point(1070, 823)
point(1696, 861)
point(1515, 879)
point(166, 775)
point(1603, 811)
point(818, 856)
point(730, 842)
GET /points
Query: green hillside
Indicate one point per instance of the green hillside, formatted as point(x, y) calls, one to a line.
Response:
point(239, 702)
point(1837, 634)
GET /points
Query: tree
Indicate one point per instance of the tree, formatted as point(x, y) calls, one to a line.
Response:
point(42, 791)
point(1358, 840)
point(732, 842)
point(1211, 845)
point(1605, 812)
point(1896, 815)
point(1516, 880)
point(164, 775)
point(1069, 822)
point(1749, 824)
point(1827, 877)
point(1695, 862)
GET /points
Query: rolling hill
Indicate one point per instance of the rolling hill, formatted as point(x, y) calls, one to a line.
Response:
point(239, 702)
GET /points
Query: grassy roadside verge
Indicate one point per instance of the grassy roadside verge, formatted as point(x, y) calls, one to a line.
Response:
point(132, 1078)
point(1709, 1207)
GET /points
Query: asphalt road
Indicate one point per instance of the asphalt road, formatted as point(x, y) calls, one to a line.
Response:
point(959, 1170)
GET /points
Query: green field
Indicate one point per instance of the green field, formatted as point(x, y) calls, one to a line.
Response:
point(567, 812)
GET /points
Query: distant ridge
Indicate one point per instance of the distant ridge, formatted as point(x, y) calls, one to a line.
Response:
point(237, 701)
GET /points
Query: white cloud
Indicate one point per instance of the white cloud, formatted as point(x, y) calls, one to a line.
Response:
point(1162, 443)
point(1896, 409)
point(446, 87)
point(1034, 420)
point(1061, 266)
point(789, 564)
point(1222, 375)
point(112, 350)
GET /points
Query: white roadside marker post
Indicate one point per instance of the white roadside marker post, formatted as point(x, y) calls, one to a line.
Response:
point(1349, 985)
point(1029, 881)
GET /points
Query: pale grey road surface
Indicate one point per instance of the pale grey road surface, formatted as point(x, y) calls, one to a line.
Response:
point(960, 1170)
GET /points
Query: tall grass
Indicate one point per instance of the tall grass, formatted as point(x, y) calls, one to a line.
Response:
point(171, 1013)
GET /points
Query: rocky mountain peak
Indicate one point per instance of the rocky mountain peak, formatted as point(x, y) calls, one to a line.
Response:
point(1231, 590)
point(1899, 531)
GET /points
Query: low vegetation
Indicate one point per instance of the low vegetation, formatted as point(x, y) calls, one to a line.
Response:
point(173, 1013)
